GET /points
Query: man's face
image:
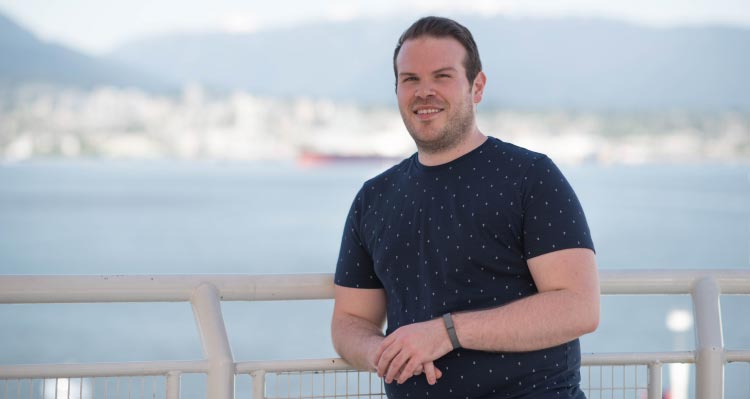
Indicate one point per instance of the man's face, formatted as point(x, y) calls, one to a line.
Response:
point(435, 98)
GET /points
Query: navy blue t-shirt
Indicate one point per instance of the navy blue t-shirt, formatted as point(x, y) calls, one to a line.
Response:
point(456, 237)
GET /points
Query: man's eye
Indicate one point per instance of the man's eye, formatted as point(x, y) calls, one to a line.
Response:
point(410, 78)
point(443, 75)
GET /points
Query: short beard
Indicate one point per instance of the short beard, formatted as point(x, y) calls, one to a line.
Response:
point(455, 131)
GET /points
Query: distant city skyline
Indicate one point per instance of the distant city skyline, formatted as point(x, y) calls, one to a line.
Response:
point(96, 27)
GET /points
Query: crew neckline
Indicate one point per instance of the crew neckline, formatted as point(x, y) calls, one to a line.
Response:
point(436, 168)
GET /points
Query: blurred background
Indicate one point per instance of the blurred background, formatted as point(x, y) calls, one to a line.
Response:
point(588, 83)
point(163, 137)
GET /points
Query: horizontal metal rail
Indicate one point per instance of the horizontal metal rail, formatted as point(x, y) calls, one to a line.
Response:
point(205, 292)
point(126, 369)
point(161, 288)
point(180, 288)
point(738, 356)
point(624, 359)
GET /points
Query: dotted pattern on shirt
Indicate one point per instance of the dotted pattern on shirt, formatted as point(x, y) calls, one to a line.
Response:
point(456, 237)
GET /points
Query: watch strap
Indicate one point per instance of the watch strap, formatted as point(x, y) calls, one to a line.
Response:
point(448, 320)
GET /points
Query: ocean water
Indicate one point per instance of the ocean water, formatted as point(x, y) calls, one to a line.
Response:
point(171, 217)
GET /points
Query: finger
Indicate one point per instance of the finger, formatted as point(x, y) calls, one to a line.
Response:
point(438, 373)
point(419, 370)
point(385, 359)
point(395, 367)
point(409, 370)
point(379, 354)
point(430, 373)
point(384, 345)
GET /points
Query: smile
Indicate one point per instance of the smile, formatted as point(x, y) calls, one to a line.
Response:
point(428, 111)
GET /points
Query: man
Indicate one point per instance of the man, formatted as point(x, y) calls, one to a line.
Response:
point(476, 250)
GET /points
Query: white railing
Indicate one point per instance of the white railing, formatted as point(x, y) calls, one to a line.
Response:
point(206, 293)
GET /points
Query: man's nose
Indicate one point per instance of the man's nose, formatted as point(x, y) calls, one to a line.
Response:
point(424, 90)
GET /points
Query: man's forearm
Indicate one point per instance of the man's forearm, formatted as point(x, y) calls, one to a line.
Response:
point(356, 340)
point(540, 321)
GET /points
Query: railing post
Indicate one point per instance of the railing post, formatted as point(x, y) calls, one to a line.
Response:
point(259, 384)
point(173, 385)
point(207, 309)
point(654, 380)
point(709, 338)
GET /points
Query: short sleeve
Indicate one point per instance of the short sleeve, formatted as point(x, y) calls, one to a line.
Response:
point(553, 217)
point(354, 268)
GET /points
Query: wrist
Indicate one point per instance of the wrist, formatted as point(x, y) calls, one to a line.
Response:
point(373, 346)
point(450, 330)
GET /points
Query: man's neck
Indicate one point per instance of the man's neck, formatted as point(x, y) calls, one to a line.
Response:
point(465, 146)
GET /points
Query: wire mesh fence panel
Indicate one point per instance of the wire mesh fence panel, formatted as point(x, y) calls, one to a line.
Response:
point(737, 380)
point(147, 387)
point(599, 382)
point(328, 384)
point(615, 382)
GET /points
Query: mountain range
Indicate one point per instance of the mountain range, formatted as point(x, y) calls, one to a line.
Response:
point(25, 59)
point(530, 63)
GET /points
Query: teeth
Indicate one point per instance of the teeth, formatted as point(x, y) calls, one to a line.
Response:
point(427, 111)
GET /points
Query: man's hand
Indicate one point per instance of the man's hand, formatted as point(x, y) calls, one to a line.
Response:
point(432, 371)
point(411, 350)
point(356, 329)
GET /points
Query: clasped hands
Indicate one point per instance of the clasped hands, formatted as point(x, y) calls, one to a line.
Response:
point(411, 350)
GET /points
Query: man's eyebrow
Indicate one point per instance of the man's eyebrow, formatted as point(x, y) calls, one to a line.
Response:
point(444, 69)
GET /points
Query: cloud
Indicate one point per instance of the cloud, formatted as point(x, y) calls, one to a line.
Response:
point(239, 23)
point(480, 7)
point(344, 12)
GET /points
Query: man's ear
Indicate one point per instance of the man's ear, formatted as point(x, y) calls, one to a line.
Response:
point(478, 87)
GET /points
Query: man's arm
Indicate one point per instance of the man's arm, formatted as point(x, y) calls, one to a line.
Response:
point(566, 307)
point(357, 324)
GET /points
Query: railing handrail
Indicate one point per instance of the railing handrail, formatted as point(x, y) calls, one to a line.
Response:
point(76, 370)
point(161, 288)
point(206, 292)
point(180, 288)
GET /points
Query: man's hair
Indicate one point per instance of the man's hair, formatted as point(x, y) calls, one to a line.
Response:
point(439, 27)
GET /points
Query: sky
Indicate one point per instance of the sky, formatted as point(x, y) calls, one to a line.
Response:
point(98, 26)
